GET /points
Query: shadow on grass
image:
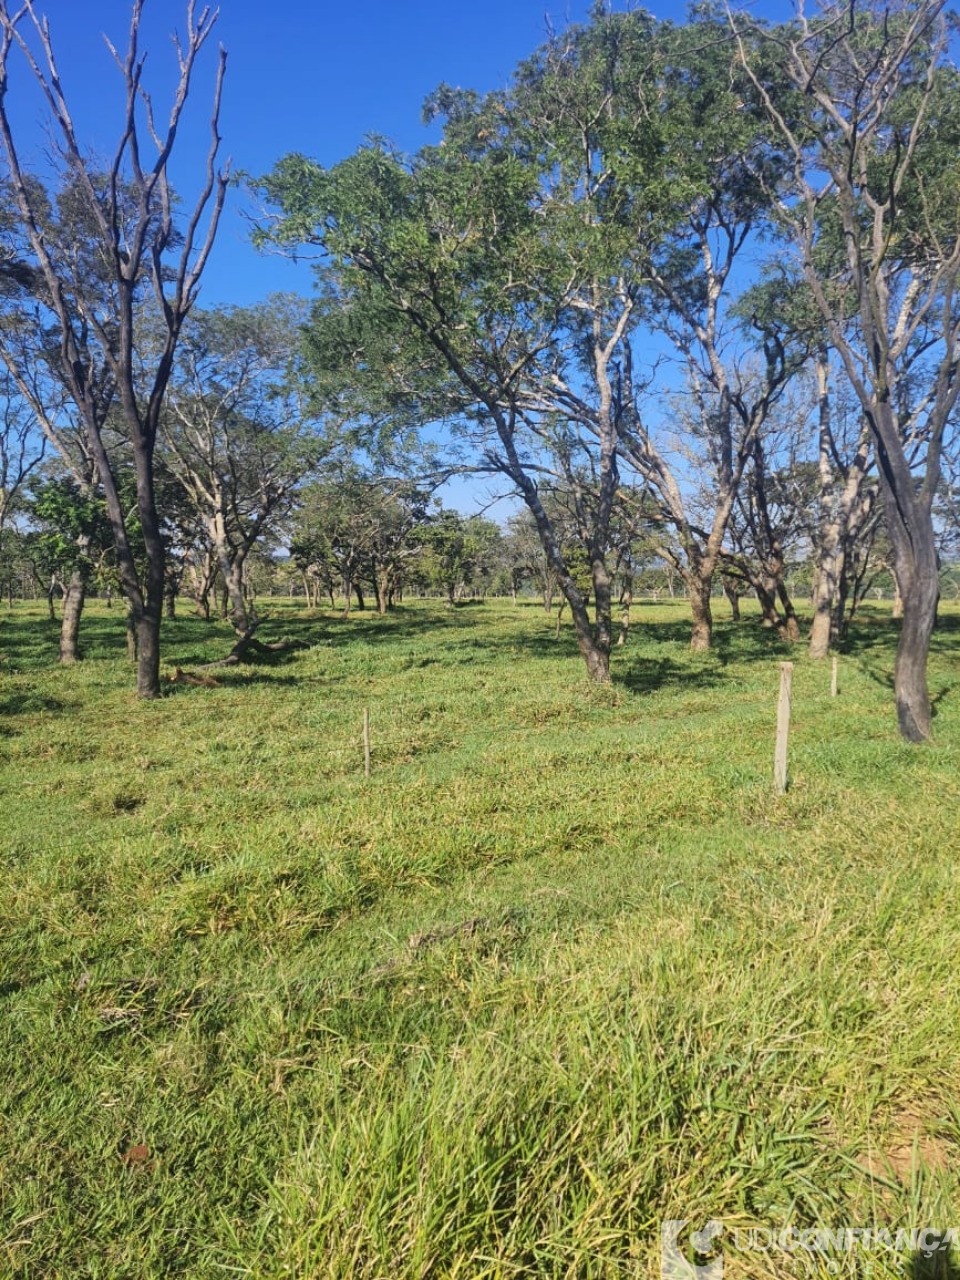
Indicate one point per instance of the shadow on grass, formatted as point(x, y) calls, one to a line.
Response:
point(941, 1265)
point(31, 704)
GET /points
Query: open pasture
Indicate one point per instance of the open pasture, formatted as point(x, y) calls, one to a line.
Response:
point(563, 967)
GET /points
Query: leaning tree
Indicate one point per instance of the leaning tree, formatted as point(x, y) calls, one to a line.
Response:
point(88, 295)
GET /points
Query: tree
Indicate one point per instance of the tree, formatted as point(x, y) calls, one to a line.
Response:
point(236, 433)
point(735, 367)
point(357, 526)
point(870, 132)
point(21, 447)
point(505, 257)
point(459, 552)
point(87, 291)
point(74, 539)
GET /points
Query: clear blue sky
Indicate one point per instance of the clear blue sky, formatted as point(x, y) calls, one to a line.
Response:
point(311, 77)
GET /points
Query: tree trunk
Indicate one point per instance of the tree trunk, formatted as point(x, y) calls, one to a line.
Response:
point(148, 650)
point(170, 601)
point(131, 634)
point(73, 600)
point(825, 586)
point(768, 605)
point(698, 591)
point(626, 600)
point(733, 596)
point(602, 607)
point(381, 584)
point(896, 610)
point(914, 711)
point(790, 626)
point(826, 594)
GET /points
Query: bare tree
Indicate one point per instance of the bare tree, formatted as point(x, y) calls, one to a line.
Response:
point(846, 507)
point(139, 252)
point(870, 146)
point(237, 434)
point(21, 446)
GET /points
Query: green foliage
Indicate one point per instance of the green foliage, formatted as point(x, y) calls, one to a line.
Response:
point(74, 529)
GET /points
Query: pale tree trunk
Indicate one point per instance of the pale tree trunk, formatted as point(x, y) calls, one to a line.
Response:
point(829, 592)
point(381, 583)
point(73, 601)
point(626, 600)
point(896, 609)
point(242, 616)
point(824, 598)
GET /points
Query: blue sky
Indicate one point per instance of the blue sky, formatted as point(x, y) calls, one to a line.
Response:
point(310, 77)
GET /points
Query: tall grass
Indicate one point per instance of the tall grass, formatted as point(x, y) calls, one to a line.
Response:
point(562, 968)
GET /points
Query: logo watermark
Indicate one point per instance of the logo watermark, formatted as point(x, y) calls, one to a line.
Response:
point(699, 1254)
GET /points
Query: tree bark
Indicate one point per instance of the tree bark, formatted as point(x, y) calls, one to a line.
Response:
point(914, 712)
point(73, 600)
point(822, 627)
point(698, 591)
point(790, 625)
point(733, 596)
point(626, 600)
point(381, 583)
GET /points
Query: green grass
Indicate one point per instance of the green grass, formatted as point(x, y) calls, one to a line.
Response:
point(561, 969)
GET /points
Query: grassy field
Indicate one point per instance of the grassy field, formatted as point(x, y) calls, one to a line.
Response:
point(562, 968)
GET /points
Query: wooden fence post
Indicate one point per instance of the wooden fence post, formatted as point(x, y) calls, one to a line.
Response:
point(783, 728)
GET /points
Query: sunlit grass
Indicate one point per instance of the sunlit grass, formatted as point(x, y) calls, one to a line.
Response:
point(562, 968)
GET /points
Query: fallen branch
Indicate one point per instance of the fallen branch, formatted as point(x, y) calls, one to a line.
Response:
point(185, 677)
point(247, 643)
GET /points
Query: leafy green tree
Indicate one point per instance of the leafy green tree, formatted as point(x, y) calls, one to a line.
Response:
point(74, 539)
point(497, 262)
